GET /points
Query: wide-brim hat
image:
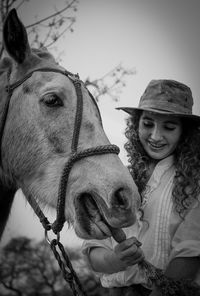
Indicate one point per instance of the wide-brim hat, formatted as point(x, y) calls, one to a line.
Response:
point(168, 97)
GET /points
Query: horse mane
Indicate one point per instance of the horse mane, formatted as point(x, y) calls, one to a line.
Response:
point(43, 53)
point(38, 58)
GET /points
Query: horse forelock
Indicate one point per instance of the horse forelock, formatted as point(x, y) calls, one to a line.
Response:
point(43, 54)
point(5, 66)
point(38, 58)
point(42, 58)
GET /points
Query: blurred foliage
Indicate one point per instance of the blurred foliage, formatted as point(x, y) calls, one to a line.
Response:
point(29, 268)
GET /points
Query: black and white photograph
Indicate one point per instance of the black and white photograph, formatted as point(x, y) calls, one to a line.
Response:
point(100, 148)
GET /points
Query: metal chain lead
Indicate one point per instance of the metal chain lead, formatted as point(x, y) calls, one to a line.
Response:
point(69, 276)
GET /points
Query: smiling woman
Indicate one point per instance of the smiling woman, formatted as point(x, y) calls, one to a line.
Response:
point(159, 134)
point(163, 149)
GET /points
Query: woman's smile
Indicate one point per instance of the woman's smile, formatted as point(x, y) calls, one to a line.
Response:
point(156, 146)
point(159, 134)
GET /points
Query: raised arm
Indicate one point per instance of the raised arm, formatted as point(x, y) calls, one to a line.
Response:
point(125, 254)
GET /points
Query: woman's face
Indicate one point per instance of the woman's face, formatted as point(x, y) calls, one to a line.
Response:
point(159, 134)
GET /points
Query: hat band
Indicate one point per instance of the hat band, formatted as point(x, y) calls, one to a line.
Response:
point(163, 106)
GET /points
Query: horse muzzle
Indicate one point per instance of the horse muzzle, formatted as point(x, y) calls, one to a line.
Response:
point(98, 219)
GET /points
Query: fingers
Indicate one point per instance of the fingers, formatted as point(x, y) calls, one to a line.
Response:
point(132, 256)
point(127, 243)
point(129, 251)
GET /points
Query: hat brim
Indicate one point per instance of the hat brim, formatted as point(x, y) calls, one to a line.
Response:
point(130, 110)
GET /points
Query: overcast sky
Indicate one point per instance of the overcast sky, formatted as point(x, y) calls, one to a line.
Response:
point(159, 38)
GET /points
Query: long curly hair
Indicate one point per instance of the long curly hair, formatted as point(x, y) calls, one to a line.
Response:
point(186, 160)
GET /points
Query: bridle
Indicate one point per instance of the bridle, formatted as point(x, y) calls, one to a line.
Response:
point(75, 155)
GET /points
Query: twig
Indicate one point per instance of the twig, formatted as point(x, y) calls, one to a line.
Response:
point(52, 15)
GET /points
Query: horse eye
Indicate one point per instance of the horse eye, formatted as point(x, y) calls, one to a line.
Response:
point(52, 100)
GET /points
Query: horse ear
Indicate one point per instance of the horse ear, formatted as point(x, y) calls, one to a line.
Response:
point(15, 37)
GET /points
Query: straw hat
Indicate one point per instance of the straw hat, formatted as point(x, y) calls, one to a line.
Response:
point(166, 97)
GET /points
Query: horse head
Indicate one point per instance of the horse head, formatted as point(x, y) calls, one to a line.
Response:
point(54, 147)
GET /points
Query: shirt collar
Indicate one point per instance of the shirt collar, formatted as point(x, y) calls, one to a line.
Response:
point(161, 167)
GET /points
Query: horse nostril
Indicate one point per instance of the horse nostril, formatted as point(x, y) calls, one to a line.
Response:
point(119, 199)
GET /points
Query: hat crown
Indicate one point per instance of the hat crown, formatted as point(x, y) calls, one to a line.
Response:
point(167, 95)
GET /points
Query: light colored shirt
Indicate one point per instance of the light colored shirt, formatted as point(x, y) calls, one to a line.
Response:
point(163, 233)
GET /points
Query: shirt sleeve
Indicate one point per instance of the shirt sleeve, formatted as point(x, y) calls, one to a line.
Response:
point(89, 244)
point(186, 240)
point(132, 275)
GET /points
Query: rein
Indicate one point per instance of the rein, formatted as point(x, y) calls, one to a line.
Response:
point(69, 275)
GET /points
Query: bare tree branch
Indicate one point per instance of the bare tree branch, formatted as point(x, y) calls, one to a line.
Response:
point(56, 37)
point(52, 15)
point(111, 83)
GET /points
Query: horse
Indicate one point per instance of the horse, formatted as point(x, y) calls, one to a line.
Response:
point(53, 145)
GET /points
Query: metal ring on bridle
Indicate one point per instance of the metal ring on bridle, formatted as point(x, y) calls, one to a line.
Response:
point(50, 240)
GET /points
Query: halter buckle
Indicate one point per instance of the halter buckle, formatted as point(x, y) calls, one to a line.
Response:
point(50, 240)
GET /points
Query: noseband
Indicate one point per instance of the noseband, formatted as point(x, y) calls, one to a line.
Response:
point(75, 154)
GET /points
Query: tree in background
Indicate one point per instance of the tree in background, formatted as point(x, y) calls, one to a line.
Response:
point(14, 266)
point(29, 268)
point(46, 31)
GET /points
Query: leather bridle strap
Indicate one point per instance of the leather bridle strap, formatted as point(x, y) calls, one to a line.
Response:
point(74, 156)
point(78, 116)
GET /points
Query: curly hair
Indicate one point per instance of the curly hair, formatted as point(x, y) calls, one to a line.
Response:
point(186, 160)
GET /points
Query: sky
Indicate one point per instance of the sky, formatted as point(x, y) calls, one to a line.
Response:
point(157, 38)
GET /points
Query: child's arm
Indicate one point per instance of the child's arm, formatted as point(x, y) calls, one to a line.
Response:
point(181, 268)
point(125, 254)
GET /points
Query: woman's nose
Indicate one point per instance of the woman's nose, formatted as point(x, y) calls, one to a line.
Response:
point(156, 134)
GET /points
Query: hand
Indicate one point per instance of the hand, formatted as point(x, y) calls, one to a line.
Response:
point(129, 252)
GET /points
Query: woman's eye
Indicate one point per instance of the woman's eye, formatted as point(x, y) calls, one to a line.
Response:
point(170, 128)
point(147, 124)
point(52, 100)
